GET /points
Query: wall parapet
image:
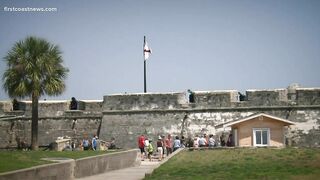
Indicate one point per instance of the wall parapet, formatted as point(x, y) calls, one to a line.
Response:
point(308, 96)
point(52, 108)
point(205, 99)
point(251, 108)
point(293, 95)
point(290, 96)
point(144, 101)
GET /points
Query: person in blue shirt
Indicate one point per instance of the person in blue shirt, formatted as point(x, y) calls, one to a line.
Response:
point(176, 143)
point(94, 142)
point(85, 144)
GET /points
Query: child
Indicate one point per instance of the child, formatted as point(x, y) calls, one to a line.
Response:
point(150, 149)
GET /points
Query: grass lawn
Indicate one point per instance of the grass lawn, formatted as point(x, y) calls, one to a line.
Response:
point(260, 163)
point(13, 160)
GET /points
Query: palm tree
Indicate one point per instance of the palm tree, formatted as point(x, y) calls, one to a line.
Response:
point(34, 68)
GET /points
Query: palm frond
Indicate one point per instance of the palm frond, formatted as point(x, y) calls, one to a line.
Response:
point(34, 66)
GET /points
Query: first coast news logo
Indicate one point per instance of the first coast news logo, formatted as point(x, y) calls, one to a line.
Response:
point(29, 9)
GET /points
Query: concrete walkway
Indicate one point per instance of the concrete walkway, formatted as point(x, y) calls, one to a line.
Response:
point(131, 173)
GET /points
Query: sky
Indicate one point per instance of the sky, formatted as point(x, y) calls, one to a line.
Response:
point(200, 45)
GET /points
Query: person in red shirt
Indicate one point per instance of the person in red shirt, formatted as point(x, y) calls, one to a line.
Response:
point(168, 142)
point(141, 145)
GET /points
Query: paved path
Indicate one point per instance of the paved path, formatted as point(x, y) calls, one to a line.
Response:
point(131, 173)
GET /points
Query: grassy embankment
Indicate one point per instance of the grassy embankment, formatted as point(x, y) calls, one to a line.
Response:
point(13, 160)
point(261, 163)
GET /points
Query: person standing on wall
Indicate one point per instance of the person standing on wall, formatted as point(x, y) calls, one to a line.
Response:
point(15, 105)
point(141, 145)
point(73, 104)
point(190, 95)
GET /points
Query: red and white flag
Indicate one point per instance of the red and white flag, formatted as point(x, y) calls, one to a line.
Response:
point(146, 50)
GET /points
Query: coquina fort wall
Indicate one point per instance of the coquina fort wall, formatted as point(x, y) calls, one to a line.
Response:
point(126, 116)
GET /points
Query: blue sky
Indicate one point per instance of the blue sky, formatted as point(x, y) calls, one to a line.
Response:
point(199, 45)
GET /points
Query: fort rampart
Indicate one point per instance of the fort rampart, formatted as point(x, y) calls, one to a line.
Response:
point(126, 116)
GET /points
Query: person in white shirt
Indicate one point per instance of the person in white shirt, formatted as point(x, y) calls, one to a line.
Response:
point(202, 142)
point(196, 142)
point(211, 141)
point(146, 144)
point(176, 143)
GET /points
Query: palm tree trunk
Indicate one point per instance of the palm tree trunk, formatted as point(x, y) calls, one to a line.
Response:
point(34, 123)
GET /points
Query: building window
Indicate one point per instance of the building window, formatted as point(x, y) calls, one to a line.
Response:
point(261, 136)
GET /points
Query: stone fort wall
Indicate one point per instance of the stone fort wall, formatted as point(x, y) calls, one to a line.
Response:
point(126, 116)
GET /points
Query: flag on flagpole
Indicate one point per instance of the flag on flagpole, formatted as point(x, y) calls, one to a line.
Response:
point(146, 50)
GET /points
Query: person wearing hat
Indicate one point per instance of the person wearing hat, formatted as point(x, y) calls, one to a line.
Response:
point(160, 147)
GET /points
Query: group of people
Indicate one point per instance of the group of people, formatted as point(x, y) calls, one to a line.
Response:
point(167, 145)
point(205, 141)
point(94, 143)
point(87, 144)
point(164, 146)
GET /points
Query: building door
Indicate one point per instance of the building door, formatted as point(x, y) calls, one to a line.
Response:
point(261, 136)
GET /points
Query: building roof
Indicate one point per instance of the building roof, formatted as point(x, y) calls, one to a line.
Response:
point(288, 122)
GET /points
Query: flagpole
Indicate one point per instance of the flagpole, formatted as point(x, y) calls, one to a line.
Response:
point(145, 67)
